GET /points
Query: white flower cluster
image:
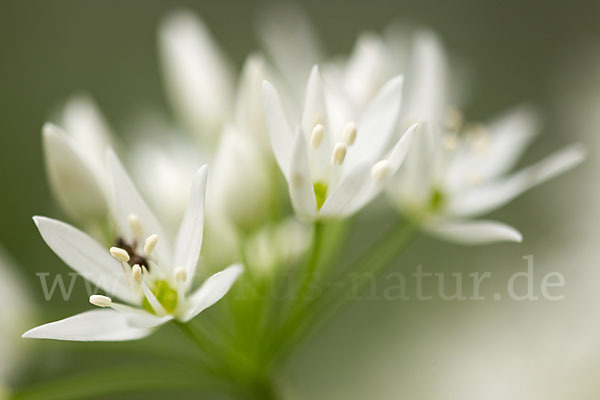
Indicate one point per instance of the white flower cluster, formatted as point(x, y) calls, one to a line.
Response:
point(340, 131)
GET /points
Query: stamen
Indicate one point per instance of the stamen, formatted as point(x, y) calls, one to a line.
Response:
point(136, 274)
point(317, 136)
point(350, 133)
point(135, 225)
point(380, 171)
point(180, 274)
point(100, 301)
point(120, 254)
point(339, 153)
point(149, 244)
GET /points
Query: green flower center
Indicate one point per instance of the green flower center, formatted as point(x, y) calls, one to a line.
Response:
point(165, 295)
point(437, 200)
point(320, 189)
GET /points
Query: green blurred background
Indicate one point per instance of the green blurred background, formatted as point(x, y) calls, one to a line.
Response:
point(515, 51)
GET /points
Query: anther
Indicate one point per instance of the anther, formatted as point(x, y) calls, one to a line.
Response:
point(149, 244)
point(350, 133)
point(380, 171)
point(135, 225)
point(100, 301)
point(180, 274)
point(317, 136)
point(120, 254)
point(136, 274)
point(339, 153)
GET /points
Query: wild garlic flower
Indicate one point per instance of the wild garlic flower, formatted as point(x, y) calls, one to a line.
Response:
point(334, 163)
point(152, 280)
point(455, 170)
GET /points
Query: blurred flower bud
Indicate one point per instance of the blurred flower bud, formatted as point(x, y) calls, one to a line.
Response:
point(14, 319)
point(77, 185)
point(249, 113)
point(198, 76)
point(277, 245)
point(240, 184)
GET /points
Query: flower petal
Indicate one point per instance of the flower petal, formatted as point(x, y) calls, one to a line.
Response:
point(426, 81)
point(129, 201)
point(76, 186)
point(300, 181)
point(189, 237)
point(472, 232)
point(280, 134)
point(488, 197)
point(290, 42)
point(358, 187)
point(213, 289)
point(199, 78)
point(94, 325)
point(376, 127)
point(85, 256)
point(502, 143)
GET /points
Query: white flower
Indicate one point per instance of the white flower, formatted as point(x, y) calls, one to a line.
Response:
point(293, 46)
point(241, 186)
point(456, 171)
point(199, 78)
point(75, 160)
point(335, 164)
point(13, 319)
point(141, 270)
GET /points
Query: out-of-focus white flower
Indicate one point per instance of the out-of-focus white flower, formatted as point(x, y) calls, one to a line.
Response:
point(249, 115)
point(199, 78)
point(165, 181)
point(334, 166)
point(75, 160)
point(293, 47)
point(15, 316)
point(277, 245)
point(142, 270)
point(241, 184)
point(456, 171)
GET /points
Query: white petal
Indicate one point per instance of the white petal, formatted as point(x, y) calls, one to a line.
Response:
point(144, 320)
point(76, 186)
point(290, 42)
point(84, 121)
point(199, 78)
point(473, 232)
point(85, 256)
point(488, 197)
point(376, 128)
point(129, 201)
point(94, 325)
point(502, 143)
point(426, 81)
point(358, 187)
point(278, 127)
point(249, 111)
point(189, 238)
point(213, 289)
point(367, 69)
point(300, 181)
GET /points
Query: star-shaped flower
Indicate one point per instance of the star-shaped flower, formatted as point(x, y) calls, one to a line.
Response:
point(456, 171)
point(334, 163)
point(152, 280)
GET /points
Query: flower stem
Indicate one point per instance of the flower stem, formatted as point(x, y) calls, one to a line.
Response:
point(374, 261)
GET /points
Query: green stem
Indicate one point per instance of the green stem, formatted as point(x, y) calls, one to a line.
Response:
point(313, 263)
point(374, 261)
